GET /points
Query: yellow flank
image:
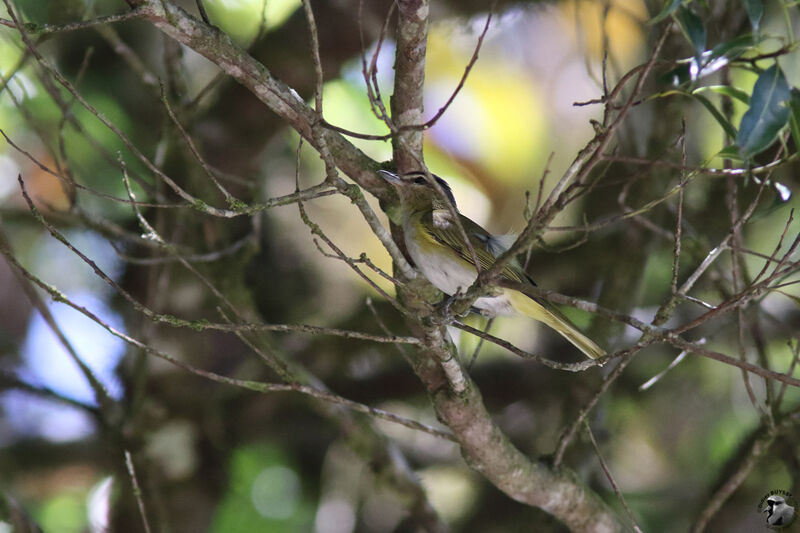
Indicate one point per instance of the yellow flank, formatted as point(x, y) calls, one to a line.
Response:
point(429, 245)
point(427, 242)
point(522, 304)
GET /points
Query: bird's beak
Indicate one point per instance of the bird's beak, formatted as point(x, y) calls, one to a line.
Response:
point(391, 177)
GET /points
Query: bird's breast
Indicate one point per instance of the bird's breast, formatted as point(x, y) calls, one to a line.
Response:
point(446, 270)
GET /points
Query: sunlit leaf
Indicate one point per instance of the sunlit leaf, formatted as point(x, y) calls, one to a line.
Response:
point(755, 10)
point(694, 29)
point(696, 94)
point(245, 19)
point(726, 125)
point(671, 92)
point(669, 7)
point(729, 152)
point(727, 90)
point(710, 61)
point(736, 46)
point(768, 112)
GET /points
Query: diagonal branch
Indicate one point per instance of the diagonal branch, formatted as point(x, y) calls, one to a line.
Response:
point(279, 97)
point(488, 450)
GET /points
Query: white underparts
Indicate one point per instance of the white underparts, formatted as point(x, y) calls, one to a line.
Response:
point(450, 274)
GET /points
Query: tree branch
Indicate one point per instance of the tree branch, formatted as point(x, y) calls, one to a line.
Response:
point(279, 97)
point(488, 450)
point(409, 77)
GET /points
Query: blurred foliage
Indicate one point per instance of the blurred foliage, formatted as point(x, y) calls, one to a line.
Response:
point(243, 20)
point(264, 495)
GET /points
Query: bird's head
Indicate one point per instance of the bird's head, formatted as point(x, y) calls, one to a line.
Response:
point(417, 192)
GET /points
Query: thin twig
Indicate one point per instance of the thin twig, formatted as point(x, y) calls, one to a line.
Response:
point(430, 123)
point(202, 9)
point(744, 365)
point(200, 324)
point(480, 344)
point(10, 381)
point(45, 29)
point(244, 384)
point(577, 172)
point(208, 257)
point(610, 478)
point(568, 434)
point(655, 379)
point(792, 366)
point(177, 189)
point(764, 438)
point(80, 187)
point(232, 201)
point(362, 259)
point(137, 491)
point(676, 251)
point(316, 230)
point(101, 395)
point(570, 367)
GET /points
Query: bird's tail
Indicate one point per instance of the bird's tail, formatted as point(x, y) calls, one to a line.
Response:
point(555, 319)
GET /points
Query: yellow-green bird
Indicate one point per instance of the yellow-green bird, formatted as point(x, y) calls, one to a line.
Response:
point(435, 244)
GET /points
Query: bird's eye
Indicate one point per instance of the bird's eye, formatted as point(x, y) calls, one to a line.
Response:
point(420, 181)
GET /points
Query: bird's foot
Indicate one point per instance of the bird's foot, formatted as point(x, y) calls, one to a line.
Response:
point(446, 305)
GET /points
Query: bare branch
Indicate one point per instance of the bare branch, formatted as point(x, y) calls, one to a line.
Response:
point(46, 29)
point(610, 478)
point(569, 433)
point(280, 98)
point(483, 335)
point(761, 443)
point(430, 123)
point(137, 491)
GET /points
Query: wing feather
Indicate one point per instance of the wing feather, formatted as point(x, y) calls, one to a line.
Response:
point(439, 227)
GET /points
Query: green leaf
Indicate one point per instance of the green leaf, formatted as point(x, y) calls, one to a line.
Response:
point(768, 112)
point(677, 76)
point(755, 10)
point(727, 126)
point(694, 29)
point(727, 90)
point(669, 7)
point(729, 152)
point(735, 47)
point(794, 119)
point(691, 69)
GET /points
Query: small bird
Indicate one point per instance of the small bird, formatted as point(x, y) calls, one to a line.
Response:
point(779, 513)
point(435, 244)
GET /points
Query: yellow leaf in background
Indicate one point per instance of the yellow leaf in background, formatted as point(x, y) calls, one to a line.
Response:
point(584, 21)
point(347, 105)
point(242, 19)
point(497, 120)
